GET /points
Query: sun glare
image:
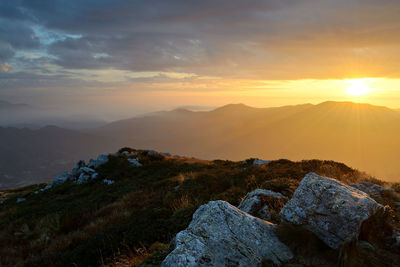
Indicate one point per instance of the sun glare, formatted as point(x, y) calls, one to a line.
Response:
point(358, 87)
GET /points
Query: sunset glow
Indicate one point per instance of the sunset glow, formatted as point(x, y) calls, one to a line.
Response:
point(358, 87)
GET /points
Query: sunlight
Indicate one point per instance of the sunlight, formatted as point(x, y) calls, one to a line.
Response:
point(358, 87)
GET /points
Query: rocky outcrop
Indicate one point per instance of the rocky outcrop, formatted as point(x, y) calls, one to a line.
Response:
point(80, 173)
point(101, 159)
point(379, 193)
point(85, 174)
point(222, 235)
point(330, 209)
point(263, 203)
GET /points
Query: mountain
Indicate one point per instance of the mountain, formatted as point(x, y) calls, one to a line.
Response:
point(4, 105)
point(361, 135)
point(32, 156)
point(33, 117)
point(129, 210)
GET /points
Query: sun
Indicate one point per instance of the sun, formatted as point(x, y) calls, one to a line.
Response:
point(358, 87)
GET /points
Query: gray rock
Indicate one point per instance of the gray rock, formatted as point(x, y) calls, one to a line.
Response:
point(126, 153)
point(62, 178)
point(330, 209)
point(59, 180)
point(101, 159)
point(166, 154)
point(396, 237)
point(108, 182)
point(222, 235)
point(135, 162)
point(21, 199)
point(366, 245)
point(258, 162)
point(87, 170)
point(83, 178)
point(92, 163)
point(261, 202)
point(94, 175)
point(379, 193)
point(77, 167)
point(152, 153)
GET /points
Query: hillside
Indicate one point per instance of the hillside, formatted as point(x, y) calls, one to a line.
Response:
point(363, 136)
point(136, 202)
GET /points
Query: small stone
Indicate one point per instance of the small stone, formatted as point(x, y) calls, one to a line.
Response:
point(135, 162)
point(21, 199)
point(108, 182)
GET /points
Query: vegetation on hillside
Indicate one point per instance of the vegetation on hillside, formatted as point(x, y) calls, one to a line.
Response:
point(132, 221)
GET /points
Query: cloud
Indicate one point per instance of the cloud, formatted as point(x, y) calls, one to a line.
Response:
point(5, 67)
point(229, 39)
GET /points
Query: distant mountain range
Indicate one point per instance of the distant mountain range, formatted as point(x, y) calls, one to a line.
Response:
point(361, 135)
point(26, 116)
point(4, 105)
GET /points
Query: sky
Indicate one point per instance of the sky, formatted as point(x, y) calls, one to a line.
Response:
point(120, 58)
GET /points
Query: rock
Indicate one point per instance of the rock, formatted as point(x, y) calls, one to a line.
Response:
point(101, 159)
point(330, 209)
point(135, 162)
point(59, 180)
point(62, 178)
point(21, 199)
point(92, 163)
point(379, 193)
point(261, 203)
point(258, 162)
point(152, 153)
point(366, 245)
point(78, 166)
point(126, 153)
point(222, 235)
point(87, 170)
point(396, 237)
point(166, 154)
point(83, 178)
point(94, 175)
point(108, 182)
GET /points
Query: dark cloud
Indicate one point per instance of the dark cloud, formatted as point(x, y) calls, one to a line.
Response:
point(18, 34)
point(6, 52)
point(249, 39)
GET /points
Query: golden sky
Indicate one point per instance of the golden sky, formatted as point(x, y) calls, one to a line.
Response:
point(123, 58)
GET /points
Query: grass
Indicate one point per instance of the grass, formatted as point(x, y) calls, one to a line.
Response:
point(131, 221)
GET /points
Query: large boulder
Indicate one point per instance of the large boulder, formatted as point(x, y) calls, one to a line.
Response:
point(222, 235)
point(330, 209)
point(379, 193)
point(263, 203)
